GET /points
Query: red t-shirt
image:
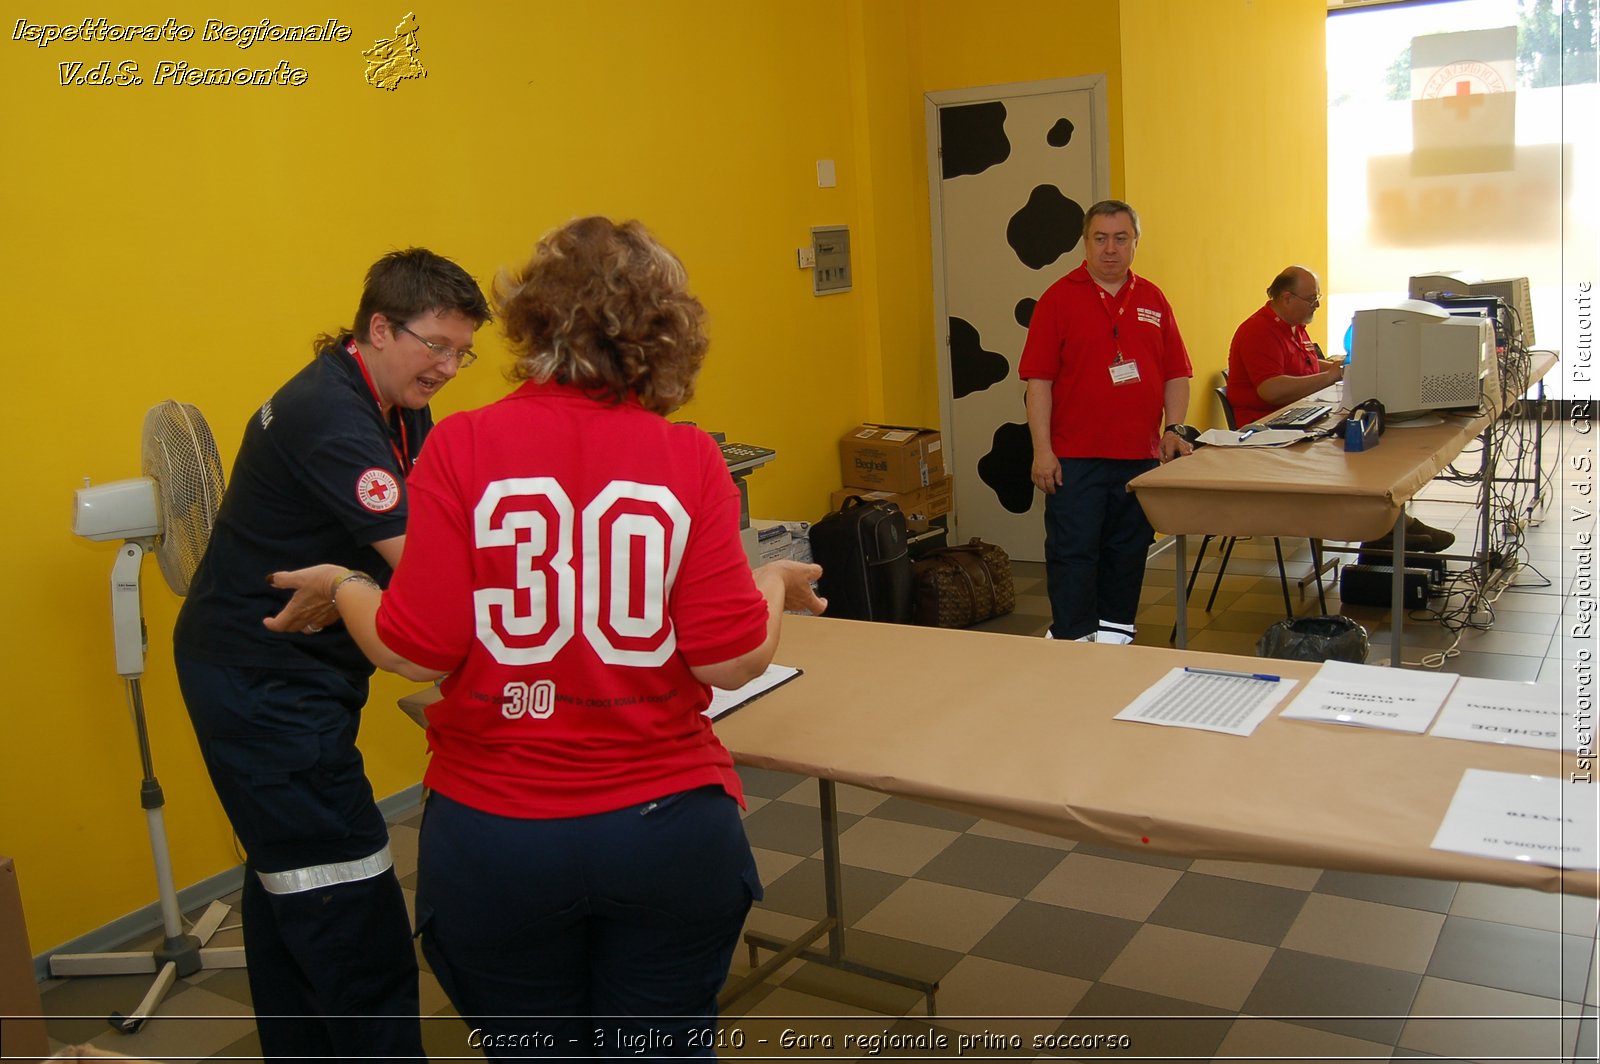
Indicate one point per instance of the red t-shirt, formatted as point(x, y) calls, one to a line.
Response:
point(1075, 335)
point(1265, 346)
point(566, 562)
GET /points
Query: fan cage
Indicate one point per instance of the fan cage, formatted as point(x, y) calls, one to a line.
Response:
point(180, 455)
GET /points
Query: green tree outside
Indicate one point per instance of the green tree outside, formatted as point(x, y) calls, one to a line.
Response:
point(1555, 46)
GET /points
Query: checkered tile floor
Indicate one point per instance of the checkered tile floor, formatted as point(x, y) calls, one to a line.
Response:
point(1035, 940)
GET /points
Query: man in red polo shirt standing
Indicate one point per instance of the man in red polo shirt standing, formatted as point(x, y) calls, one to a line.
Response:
point(1105, 369)
point(1272, 361)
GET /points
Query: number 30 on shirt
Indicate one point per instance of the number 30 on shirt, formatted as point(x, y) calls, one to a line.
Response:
point(628, 542)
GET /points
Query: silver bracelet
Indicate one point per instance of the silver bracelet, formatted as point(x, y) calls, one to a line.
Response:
point(356, 575)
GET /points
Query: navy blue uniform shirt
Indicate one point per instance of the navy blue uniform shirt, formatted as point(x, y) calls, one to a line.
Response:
point(319, 478)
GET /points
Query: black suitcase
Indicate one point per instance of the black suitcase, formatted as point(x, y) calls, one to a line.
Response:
point(866, 570)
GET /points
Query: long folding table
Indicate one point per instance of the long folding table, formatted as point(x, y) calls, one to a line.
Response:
point(1314, 490)
point(1022, 731)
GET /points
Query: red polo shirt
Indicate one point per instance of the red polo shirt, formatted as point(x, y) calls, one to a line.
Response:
point(1075, 335)
point(568, 562)
point(1265, 346)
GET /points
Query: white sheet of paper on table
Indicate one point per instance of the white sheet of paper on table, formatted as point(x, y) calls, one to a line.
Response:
point(1232, 703)
point(1538, 819)
point(1508, 713)
point(1370, 696)
point(1253, 437)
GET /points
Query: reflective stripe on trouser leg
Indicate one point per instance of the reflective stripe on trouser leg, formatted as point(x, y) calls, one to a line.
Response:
point(1112, 632)
point(300, 880)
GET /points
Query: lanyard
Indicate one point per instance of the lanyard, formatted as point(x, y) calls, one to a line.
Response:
point(403, 450)
point(1300, 342)
point(1123, 297)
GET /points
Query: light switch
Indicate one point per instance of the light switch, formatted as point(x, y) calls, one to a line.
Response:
point(825, 174)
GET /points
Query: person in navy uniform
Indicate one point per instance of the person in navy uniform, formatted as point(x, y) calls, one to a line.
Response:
point(321, 473)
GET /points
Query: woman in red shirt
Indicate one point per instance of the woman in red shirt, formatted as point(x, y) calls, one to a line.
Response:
point(573, 569)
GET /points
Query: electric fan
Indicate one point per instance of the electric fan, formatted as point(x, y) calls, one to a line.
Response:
point(170, 510)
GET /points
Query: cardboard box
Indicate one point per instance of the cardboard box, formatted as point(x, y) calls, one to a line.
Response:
point(891, 457)
point(920, 505)
point(19, 992)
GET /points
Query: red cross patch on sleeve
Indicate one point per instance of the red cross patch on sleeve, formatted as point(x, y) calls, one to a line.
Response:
point(378, 490)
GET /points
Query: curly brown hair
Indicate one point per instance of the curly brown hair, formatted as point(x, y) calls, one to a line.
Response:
point(604, 307)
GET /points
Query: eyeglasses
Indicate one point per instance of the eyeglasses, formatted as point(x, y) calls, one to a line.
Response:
point(443, 352)
point(1315, 301)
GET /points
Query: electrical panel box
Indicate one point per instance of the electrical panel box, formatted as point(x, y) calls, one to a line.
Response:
point(831, 245)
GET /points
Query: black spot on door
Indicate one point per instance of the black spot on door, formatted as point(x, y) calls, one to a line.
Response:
point(972, 369)
point(1023, 311)
point(972, 138)
point(1047, 227)
point(1008, 467)
point(1060, 134)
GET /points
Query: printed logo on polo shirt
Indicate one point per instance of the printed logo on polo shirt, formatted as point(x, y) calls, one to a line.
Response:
point(1146, 314)
point(378, 490)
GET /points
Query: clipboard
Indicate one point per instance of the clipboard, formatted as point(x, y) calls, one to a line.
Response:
point(725, 702)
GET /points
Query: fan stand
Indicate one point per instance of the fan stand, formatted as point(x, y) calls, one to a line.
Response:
point(180, 953)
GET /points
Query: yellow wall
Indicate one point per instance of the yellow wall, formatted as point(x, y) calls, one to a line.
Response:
point(188, 242)
point(1224, 114)
point(914, 47)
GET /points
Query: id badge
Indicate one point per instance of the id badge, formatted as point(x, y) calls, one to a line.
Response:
point(1124, 372)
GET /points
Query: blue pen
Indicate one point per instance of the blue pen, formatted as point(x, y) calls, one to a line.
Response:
point(1246, 434)
point(1237, 675)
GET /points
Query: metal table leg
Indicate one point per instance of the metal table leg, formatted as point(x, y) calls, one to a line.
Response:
point(1180, 631)
point(831, 925)
point(1397, 590)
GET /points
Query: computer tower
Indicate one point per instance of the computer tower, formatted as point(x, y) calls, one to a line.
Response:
point(1373, 585)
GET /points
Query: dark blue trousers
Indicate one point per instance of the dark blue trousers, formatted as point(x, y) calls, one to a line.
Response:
point(596, 936)
point(1096, 537)
point(332, 968)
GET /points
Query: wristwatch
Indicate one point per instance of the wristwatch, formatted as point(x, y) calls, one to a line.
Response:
point(1176, 430)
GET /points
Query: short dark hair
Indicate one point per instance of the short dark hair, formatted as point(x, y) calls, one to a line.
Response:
point(403, 285)
point(605, 307)
point(1285, 281)
point(1110, 206)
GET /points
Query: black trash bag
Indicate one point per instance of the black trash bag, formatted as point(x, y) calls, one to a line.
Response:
point(1335, 638)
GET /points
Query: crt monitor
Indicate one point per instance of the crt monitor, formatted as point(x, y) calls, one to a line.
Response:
point(1415, 357)
point(1512, 291)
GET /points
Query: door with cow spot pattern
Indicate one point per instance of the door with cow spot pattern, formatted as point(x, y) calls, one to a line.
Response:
point(1012, 168)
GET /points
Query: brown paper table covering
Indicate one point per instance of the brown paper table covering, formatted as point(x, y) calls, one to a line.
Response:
point(1311, 490)
point(1021, 731)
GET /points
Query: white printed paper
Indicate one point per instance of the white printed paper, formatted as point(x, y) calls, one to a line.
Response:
point(1371, 696)
point(1209, 700)
point(728, 701)
point(1253, 437)
point(1536, 819)
point(1509, 713)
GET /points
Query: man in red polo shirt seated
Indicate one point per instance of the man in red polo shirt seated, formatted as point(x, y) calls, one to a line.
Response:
point(1272, 363)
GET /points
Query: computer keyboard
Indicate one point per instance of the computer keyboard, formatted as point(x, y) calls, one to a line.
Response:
point(742, 456)
point(1299, 417)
